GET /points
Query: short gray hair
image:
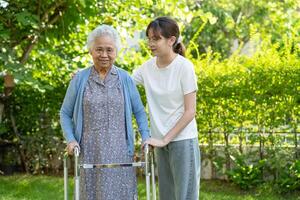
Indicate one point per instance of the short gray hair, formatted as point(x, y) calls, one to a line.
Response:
point(103, 30)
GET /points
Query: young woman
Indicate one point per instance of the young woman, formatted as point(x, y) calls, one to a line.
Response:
point(170, 84)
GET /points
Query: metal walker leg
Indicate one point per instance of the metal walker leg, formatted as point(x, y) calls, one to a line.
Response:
point(153, 177)
point(149, 162)
point(77, 177)
point(65, 177)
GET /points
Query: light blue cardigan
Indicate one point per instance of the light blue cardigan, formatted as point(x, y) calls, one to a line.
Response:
point(71, 112)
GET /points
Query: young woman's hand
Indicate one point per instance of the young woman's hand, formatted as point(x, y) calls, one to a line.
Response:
point(71, 146)
point(156, 142)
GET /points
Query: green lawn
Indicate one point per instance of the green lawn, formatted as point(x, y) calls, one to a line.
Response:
point(25, 187)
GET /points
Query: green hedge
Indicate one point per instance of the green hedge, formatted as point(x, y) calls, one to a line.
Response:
point(256, 96)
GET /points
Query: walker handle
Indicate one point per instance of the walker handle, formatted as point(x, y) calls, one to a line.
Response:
point(76, 151)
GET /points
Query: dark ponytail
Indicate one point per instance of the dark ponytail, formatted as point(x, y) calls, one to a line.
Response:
point(179, 48)
point(167, 27)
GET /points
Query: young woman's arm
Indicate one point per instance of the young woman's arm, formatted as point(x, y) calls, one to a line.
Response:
point(187, 117)
point(137, 76)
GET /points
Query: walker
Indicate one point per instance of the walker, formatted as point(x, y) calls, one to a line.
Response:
point(148, 164)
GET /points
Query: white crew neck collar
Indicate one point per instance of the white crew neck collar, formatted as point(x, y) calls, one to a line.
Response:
point(167, 66)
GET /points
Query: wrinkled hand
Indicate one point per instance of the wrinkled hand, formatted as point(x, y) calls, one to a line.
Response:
point(71, 146)
point(156, 142)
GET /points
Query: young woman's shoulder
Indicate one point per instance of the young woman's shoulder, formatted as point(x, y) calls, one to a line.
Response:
point(149, 62)
point(185, 63)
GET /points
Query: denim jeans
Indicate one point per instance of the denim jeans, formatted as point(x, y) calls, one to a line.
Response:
point(178, 166)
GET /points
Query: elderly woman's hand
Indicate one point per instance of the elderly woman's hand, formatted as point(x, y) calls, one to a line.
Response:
point(71, 146)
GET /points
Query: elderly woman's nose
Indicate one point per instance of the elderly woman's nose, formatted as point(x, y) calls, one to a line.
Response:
point(103, 54)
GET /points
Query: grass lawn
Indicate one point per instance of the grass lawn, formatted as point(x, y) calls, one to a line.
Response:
point(25, 187)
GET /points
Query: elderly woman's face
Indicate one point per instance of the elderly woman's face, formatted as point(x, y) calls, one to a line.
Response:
point(103, 52)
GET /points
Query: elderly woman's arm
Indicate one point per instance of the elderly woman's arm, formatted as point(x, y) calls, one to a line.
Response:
point(139, 111)
point(66, 114)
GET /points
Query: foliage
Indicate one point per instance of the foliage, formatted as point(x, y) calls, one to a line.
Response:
point(237, 22)
point(245, 174)
point(290, 177)
point(251, 103)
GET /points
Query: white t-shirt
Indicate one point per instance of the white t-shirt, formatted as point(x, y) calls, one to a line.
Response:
point(165, 89)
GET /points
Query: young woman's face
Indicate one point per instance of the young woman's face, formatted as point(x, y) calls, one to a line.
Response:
point(160, 46)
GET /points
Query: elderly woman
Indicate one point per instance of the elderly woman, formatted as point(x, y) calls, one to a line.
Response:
point(96, 115)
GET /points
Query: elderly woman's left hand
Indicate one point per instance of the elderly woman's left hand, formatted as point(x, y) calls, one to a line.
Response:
point(156, 142)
